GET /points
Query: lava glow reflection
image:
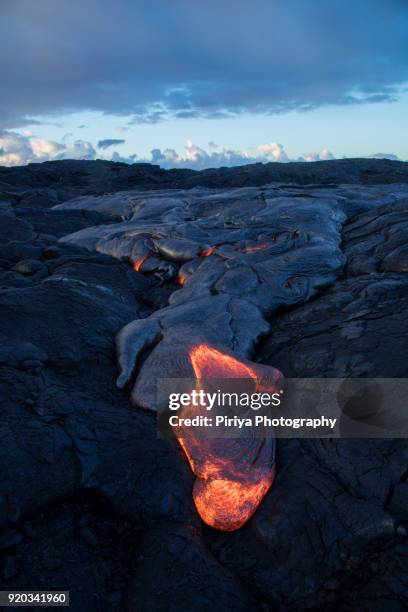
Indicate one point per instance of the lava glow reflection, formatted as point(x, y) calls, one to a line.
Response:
point(233, 474)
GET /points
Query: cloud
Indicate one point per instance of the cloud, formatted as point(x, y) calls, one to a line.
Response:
point(150, 115)
point(184, 59)
point(272, 152)
point(384, 156)
point(110, 142)
point(323, 155)
point(198, 158)
point(129, 159)
point(80, 149)
point(17, 149)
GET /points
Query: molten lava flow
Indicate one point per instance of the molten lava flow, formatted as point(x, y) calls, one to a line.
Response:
point(181, 279)
point(209, 362)
point(208, 252)
point(256, 247)
point(139, 263)
point(228, 504)
point(233, 474)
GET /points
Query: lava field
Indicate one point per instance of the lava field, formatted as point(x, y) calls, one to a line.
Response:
point(113, 276)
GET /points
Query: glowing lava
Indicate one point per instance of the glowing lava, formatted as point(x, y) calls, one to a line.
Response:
point(256, 247)
point(139, 263)
point(181, 279)
point(233, 474)
point(208, 252)
point(209, 362)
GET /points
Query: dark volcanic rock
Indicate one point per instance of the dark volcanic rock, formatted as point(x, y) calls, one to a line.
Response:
point(12, 228)
point(356, 328)
point(30, 267)
point(306, 273)
point(57, 223)
point(42, 183)
point(187, 577)
point(377, 241)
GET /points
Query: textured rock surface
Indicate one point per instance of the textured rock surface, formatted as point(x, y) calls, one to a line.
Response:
point(309, 278)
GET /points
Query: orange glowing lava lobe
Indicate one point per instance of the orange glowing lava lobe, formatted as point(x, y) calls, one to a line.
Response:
point(139, 263)
point(208, 252)
point(233, 474)
point(181, 279)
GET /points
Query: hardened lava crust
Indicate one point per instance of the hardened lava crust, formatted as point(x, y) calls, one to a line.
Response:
point(112, 276)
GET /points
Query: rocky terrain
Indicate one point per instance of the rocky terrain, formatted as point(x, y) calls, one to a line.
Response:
point(108, 271)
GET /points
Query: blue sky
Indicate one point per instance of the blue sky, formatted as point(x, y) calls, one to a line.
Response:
point(238, 81)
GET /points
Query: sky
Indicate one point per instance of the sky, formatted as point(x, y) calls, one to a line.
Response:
point(203, 84)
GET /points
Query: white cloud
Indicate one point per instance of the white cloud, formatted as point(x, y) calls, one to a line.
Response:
point(272, 152)
point(80, 149)
point(197, 158)
point(323, 155)
point(15, 149)
point(45, 149)
point(18, 149)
